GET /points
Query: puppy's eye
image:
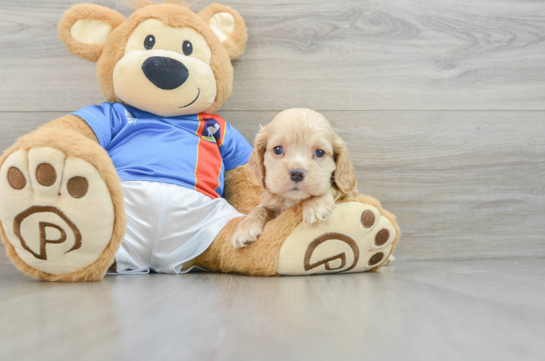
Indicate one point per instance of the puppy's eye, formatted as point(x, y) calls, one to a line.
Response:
point(319, 153)
point(149, 42)
point(187, 47)
point(278, 150)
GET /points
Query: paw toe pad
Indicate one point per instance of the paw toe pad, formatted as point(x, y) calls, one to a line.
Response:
point(376, 258)
point(367, 218)
point(77, 186)
point(46, 174)
point(382, 237)
point(16, 178)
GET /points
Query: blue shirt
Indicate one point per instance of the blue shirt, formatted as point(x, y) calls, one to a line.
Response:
point(192, 151)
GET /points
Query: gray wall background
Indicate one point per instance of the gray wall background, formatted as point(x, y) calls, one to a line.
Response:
point(441, 103)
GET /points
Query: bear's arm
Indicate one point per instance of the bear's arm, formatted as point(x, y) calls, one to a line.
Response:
point(241, 189)
point(73, 122)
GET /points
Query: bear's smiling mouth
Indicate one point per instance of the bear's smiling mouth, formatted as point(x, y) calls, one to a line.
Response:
point(194, 100)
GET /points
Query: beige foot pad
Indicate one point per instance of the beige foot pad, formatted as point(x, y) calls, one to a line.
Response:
point(355, 238)
point(56, 211)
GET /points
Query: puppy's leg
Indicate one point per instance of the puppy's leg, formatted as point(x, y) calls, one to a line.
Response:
point(251, 227)
point(318, 208)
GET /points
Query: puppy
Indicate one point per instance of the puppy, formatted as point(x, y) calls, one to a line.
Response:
point(297, 157)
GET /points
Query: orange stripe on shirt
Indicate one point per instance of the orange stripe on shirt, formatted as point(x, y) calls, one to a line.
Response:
point(209, 160)
point(223, 127)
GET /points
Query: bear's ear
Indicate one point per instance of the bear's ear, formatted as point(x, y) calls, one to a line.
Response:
point(229, 26)
point(84, 29)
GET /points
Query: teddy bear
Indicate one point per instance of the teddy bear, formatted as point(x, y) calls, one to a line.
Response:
point(152, 180)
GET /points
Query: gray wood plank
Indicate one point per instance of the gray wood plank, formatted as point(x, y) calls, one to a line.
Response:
point(491, 310)
point(463, 184)
point(326, 55)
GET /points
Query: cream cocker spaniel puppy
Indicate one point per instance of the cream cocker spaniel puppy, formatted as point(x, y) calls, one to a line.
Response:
point(297, 158)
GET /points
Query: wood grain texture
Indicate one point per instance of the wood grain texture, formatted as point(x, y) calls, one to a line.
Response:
point(325, 55)
point(463, 185)
point(490, 310)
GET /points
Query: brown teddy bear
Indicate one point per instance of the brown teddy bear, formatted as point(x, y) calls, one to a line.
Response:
point(151, 180)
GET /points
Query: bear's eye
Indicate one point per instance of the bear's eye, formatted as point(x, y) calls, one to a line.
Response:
point(187, 47)
point(149, 42)
point(319, 153)
point(278, 150)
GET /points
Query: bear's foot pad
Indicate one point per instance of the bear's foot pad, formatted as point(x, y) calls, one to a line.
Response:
point(356, 238)
point(56, 211)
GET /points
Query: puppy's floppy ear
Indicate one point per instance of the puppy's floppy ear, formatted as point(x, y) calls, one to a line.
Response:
point(257, 157)
point(84, 29)
point(229, 26)
point(344, 175)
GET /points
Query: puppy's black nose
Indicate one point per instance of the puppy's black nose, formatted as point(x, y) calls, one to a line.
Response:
point(297, 174)
point(165, 73)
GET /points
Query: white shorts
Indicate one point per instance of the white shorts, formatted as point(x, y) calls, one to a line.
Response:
point(167, 226)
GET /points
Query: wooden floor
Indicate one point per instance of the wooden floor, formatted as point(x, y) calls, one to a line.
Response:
point(442, 106)
point(467, 310)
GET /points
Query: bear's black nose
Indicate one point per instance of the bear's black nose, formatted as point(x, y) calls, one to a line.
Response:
point(165, 73)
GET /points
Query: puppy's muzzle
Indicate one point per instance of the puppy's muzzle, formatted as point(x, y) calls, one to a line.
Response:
point(297, 174)
point(165, 73)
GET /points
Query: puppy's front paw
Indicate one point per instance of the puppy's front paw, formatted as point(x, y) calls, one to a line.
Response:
point(246, 233)
point(317, 211)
